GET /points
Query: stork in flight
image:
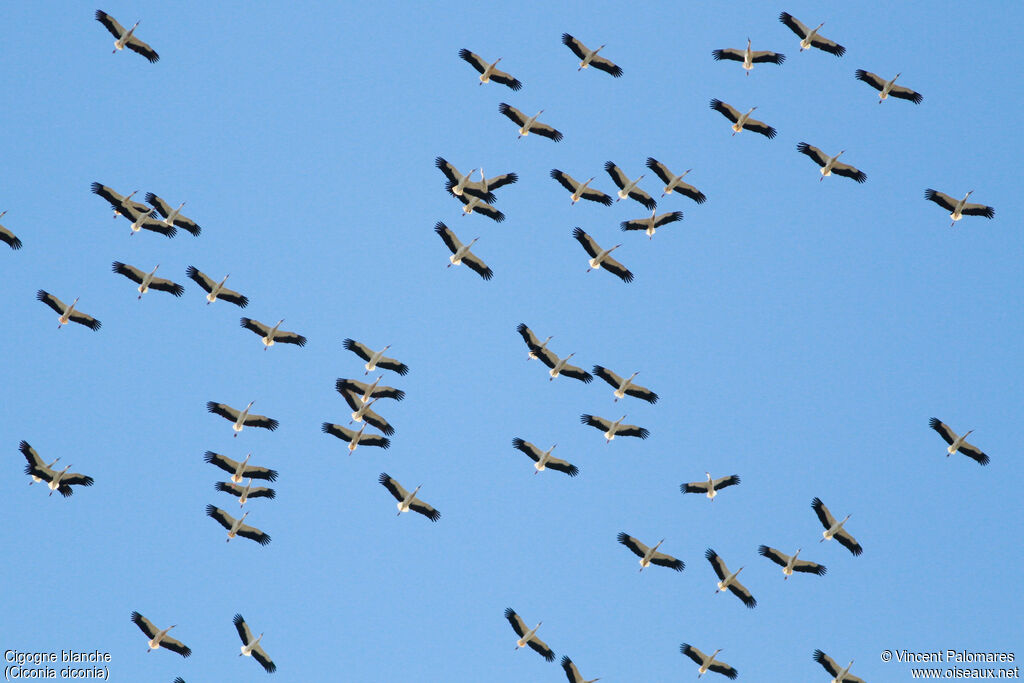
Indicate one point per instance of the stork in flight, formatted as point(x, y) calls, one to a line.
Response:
point(173, 217)
point(673, 182)
point(147, 281)
point(649, 556)
point(239, 470)
point(375, 358)
point(158, 637)
point(624, 387)
point(590, 57)
point(535, 345)
point(748, 57)
point(271, 335)
point(613, 429)
point(56, 480)
point(791, 564)
point(244, 493)
point(362, 411)
point(236, 527)
point(601, 258)
point(959, 208)
point(829, 165)
point(216, 290)
point(727, 579)
point(650, 224)
point(241, 418)
point(251, 646)
point(461, 252)
point(887, 88)
point(809, 37)
point(542, 459)
point(119, 202)
point(839, 675)
point(711, 487)
point(126, 38)
point(529, 124)
point(708, 662)
point(36, 463)
point(368, 391)
point(406, 500)
point(488, 71)
point(958, 443)
point(834, 529)
point(528, 637)
point(628, 187)
point(580, 190)
point(8, 237)
point(572, 673)
point(355, 439)
point(743, 121)
point(67, 312)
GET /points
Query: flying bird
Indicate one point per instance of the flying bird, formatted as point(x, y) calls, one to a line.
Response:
point(590, 57)
point(625, 386)
point(649, 556)
point(958, 443)
point(708, 662)
point(727, 579)
point(117, 201)
point(543, 460)
point(673, 182)
point(791, 564)
point(613, 429)
point(652, 222)
point(829, 165)
point(488, 72)
point(67, 312)
point(810, 38)
point(573, 674)
point(627, 187)
point(126, 39)
point(406, 500)
point(251, 646)
point(838, 675)
point(464, 184)
point(580, 190)
point(241, 418)
point(601, 258)
point(475, 204)
point(741, 121)
point(244, 493)
point(147, 281)
point(711, 487)
point(239, 470)
point(528, 637)
point(834, 529)
point(236, 527)
point(8, 237)
point(887, 88)
point(535, 345)
point(959, 208)
point(749, 57)
point(368, 391)
point(355, 438)
point(173, 217)
point(56, 480)
point(561, 366)
point(158, 637)
point(461, 252)
point(146, 219)
point(375, 358)
point(362, 411)
point(529, 124)
point(271, 335)
point(216, 290)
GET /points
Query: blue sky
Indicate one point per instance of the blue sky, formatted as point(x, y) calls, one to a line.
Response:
point(799, 333)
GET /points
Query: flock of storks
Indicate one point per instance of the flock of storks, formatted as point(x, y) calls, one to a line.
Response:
point(478, 196)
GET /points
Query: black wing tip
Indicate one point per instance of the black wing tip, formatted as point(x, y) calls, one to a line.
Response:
point(716, 103)
point(644, 433)
point(211, 510)
point(509, 613)
point(710, 554)
point(577, 232)
point(567, 39)
point(816, 503)
point(384, 478)
point(818, 656)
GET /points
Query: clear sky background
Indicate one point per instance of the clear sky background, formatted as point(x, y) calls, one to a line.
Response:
point(800, 334)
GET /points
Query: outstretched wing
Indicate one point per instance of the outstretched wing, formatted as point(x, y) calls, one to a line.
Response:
point(589, 245)
point(115, 29)
point(578, 48)
point(393, 486)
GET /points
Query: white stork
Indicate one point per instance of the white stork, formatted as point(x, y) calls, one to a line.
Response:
point(488, 71)
point(711, 487)
point(959, 208)
point(461, 252)
point(650, 224)
point(529, 124)
point(838, 675)
point(355, 438)
point(528, 637)
point(56, 480)
point(126, 39)
point(613, 429)
point(271, 335)
point(673, 182)
point(886, 88)
point(580, 190)
point(958, 443)
point(810, 38)
point(708, 662)
point(741, 121)
point(475, 204)
point(67, 312)
point(749, 57)
point(561, 366)
point(241, 418)
point(239, 470)
point(834, 529)
point(601, 258)
point(36, 463)
point(244, 493)
point(829, 165)
point(625, 387)
point(543, 460)
point(8, 237)
point(216, 290)
point(375, 358)
point(458, 183)
point(727, 579)
point(173, 216)
point(117, 201)
point(147, 281)
point(158, 637)
point(362, 411)
point(590, 57)
point(368, 391)
point(251, 646)
point(535, 345)
point(236, 527)
point(791, 564)
point(649, 556)
point(146, 219)
point(573, 674)
point(627, 187)
point(406, 500)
